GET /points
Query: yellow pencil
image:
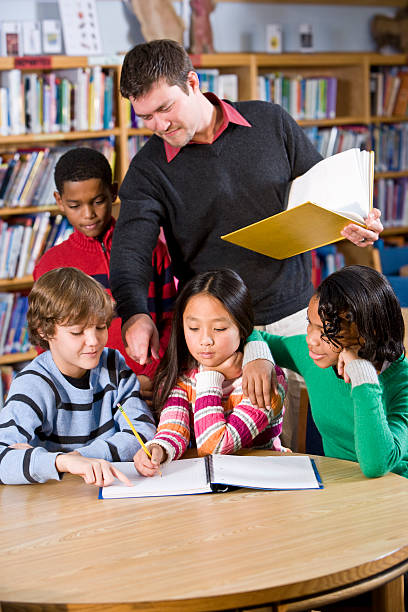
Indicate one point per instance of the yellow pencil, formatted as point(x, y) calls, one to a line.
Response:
point(142, 444)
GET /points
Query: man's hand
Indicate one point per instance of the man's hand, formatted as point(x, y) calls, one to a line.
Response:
point(146, 388)
point(140, 337)
point(94, 471)
point(364, 237)
point(146, 466)
point(259, 382)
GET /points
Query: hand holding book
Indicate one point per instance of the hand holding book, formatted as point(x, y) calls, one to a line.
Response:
point(361, 236)
point(321, 203)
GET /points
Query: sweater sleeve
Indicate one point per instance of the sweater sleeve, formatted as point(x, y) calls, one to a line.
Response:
point(24, 417)
point(134, 239)
point(123, 444)
point(219, 432)
point(380, 430)
point(173, 431)
point(285, 350)
point(161, 298)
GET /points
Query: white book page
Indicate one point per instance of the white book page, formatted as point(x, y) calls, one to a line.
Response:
point(275, 472)
point(184, 476)
point(340, 183)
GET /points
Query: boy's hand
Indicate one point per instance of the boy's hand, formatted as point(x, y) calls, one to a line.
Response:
point(146, 466)
point(21, 445)
point(230, 368)
point(347, 354)
point(98, 472)
point(259, 382)
point(146, 388)
point(139, 335)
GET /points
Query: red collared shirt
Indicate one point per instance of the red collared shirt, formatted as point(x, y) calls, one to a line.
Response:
point(229, 115)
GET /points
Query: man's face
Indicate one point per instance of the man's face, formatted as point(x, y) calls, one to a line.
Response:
point(169, 112)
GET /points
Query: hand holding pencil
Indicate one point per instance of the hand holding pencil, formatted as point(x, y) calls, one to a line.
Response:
point(153, 460)
point(149, 466)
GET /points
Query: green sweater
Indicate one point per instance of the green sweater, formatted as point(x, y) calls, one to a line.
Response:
point(365, 422)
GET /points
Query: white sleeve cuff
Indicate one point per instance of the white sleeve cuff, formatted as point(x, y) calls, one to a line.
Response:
point(208, 379)
point(361, 372)
point(256, 350)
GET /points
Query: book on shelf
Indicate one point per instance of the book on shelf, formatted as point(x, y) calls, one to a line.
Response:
point(40, 232)
point(218, 473)
point(13, 321)
point(335, 192)
point(6, 306)
point(24, 252)
point(401, 102)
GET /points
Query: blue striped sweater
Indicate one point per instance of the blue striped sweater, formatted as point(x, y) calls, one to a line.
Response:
point(44, 410)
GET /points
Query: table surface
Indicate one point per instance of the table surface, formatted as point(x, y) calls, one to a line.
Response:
point(61, 544)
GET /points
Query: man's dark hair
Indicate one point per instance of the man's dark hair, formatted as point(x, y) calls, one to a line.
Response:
point(82, 164)
point(148, 63)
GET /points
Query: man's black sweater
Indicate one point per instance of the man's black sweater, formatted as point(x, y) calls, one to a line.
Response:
point(207, 191)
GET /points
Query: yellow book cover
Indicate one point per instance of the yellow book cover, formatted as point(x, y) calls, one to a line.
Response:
point(335, 192)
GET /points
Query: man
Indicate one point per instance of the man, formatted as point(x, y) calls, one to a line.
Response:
point(211, 167)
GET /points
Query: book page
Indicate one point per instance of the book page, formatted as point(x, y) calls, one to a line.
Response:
point(280, 472)
point(182, 477)
point(341, 183)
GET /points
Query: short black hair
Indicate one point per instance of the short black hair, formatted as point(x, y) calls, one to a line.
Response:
point(81, 164)
point(363, 296)
point(148, 63)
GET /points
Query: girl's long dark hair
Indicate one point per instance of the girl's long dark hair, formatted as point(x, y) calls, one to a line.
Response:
point(228, 287)
point(361, 295)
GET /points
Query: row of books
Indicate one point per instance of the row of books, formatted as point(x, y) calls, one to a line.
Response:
point(135, 143)
point(389, 92)
point(389, 141)
point(391, 197)
point(325, 261)
point(27, 176)
point(329, 141)
point(24, 239)
point(13, 323)
point(62, 101)
point(303, 98)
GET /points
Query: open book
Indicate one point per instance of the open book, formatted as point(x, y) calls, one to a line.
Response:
point(217, 472)
point(335, 192)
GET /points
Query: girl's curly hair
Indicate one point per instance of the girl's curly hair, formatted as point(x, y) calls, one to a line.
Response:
point(362, 296)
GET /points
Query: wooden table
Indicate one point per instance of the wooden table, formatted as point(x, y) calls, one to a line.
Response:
point(61, 545)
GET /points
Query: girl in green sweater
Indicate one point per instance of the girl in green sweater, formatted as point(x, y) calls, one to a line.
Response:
point(352, 360)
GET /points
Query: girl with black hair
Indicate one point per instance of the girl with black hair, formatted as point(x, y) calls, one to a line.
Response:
point(197, 389)
point(352, 360)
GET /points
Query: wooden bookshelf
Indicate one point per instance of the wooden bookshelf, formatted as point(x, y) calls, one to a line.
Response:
point(352, 71)
point(10, 358)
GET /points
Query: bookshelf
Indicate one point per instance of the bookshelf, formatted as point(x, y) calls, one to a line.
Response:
point(351, 70)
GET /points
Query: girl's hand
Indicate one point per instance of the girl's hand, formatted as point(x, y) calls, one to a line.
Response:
point(259, 382)
point(98, 472)
point(347, 354)
point(230, 368)
point(146, 466)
